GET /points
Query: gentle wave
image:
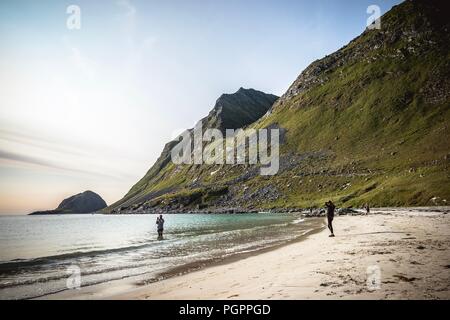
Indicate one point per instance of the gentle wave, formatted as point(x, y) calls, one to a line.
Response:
point(140, 253)
point(237, 249)
point(14, 265)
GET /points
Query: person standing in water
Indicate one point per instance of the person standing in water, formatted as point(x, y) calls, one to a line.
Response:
point(160, 225)
point(330, 215)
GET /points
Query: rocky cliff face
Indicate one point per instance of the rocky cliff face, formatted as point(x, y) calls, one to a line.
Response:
point(86, 202)
point(408, 30)
point(231, 111)
point(368, 123)
point(237, 110)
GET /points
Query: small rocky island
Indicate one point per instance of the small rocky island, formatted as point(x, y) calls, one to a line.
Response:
point(85, 202)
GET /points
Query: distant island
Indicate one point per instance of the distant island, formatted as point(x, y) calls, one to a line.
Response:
point(85, 202)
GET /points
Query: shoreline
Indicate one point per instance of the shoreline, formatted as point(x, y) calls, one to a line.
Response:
point(97, 291)
point(409, 246)
point(316, 211)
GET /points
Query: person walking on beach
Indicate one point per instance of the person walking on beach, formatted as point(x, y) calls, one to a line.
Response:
point(330, 215)
point(367, 208)
point(160, 225)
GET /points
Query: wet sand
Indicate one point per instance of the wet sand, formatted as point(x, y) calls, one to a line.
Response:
point(389, 254)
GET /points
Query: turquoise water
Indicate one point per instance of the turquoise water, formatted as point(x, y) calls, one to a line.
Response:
point(36, 252)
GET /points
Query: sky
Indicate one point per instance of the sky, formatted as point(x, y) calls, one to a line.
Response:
point(91, 108)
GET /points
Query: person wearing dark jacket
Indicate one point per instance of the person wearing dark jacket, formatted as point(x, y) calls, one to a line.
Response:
point(330, 215)
point(160, 225)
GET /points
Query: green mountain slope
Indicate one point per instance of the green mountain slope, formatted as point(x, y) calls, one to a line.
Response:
point(368, 123)
point(231, 111)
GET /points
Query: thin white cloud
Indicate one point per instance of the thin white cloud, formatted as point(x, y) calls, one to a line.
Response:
point(17, 157)
point(42, 143)
point(34, 148)
point(85, 65)
point(149, 43)
point(130, 9)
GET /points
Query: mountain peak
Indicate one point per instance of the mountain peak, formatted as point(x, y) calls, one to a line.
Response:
point(239, 109)
point(408, 29)
point(241, 93)
point(231, 111)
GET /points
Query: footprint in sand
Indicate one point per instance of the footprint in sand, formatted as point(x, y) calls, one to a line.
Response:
point(325, 284)
point(405, 279)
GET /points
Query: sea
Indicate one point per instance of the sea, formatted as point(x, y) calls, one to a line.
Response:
point(41, 255)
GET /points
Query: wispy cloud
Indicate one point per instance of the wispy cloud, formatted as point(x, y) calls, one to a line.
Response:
point(16, 157)
point(85, 65)
point(44, 143)
point(6, 155)
point(38, 149)
point(137, 43)
point(130, 9)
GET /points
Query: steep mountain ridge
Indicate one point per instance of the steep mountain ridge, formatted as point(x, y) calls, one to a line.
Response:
point(237, 110)
point(368, 123)
point(231, 111)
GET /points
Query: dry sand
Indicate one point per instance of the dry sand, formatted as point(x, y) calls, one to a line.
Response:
point(390, 254)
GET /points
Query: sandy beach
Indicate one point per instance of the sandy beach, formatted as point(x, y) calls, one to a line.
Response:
point(389, 254)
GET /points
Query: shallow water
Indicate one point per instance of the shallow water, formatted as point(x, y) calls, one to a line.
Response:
point(38, 253)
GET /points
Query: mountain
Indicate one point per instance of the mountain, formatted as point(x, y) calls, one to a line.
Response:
point(237, 110)
point(86, 202)
point(231, 111)
point(365, 124)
